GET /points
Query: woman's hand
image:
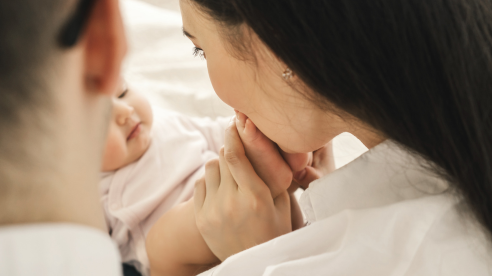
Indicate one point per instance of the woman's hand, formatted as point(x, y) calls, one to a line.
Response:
point(234, 208)
point(308, 167)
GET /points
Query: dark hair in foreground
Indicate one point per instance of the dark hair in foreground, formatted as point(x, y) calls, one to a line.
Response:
point(418, 71)
point(29, 31)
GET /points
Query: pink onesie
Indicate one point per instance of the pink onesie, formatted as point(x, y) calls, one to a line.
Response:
point(136, 196)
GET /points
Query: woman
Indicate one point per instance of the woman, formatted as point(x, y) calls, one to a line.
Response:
point(411, 79)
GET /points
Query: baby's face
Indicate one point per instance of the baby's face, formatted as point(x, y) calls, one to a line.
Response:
point(129, 129)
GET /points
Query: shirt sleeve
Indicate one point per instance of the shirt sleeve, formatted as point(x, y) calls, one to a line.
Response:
point(212, 130)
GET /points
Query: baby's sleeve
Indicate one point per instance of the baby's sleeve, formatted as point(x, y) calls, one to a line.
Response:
point(212, 130)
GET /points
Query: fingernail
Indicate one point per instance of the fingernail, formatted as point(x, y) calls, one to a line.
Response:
point(233, 121)
point(300, 175)
point(241, 119)
point(250, 128)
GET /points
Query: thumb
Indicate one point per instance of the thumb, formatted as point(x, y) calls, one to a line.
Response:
point(238, 164)
point(282, 204)
point(199, 194)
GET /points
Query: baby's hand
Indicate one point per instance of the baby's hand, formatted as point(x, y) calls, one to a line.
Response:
point(264, 156)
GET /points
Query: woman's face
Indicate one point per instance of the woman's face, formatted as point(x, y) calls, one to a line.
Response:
point(258, 89)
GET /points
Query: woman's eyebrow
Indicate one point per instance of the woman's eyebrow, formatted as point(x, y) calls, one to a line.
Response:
point(187, 34)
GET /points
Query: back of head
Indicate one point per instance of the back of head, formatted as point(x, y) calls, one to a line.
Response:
point(60, 61)
point(419, 72)
point(29, 30)
point(28, 50)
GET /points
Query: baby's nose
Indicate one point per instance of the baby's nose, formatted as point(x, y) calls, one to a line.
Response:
point(123, 113)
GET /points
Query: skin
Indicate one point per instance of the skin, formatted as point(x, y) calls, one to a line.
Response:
point(243, 200)
point(169, 241)
point(234, 208)
point(129, 129)
point(174, 244)
point(63, 184)
point(285, 115)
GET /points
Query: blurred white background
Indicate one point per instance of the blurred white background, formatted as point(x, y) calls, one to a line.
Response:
point(160, 64)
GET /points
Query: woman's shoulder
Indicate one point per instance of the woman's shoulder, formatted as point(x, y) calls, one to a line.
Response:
point(382, 214)
point(455, 244)
point(425, 236)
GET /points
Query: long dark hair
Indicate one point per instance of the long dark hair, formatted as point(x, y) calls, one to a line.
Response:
point(418, 71)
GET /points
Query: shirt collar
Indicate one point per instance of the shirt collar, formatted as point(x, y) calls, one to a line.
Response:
point(384, 175)
point(57, 249)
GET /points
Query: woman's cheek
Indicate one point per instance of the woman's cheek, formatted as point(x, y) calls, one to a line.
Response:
point(230, 79)
point(220, 82)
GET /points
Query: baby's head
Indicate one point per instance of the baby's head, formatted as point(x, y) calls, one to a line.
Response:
point(129, 130)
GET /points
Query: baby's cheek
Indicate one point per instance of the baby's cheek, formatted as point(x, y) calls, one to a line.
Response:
point(114, 153)
point(144, 111)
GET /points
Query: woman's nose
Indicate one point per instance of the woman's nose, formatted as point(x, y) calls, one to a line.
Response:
point(123, 112)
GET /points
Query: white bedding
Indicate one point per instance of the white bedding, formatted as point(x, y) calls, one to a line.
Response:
point(161, 65)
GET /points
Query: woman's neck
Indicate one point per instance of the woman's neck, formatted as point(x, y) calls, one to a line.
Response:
point(367, 136)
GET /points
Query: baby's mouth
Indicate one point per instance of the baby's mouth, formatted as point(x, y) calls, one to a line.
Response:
point(135, 131)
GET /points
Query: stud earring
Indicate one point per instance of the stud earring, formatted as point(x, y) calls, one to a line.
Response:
point(287, 74)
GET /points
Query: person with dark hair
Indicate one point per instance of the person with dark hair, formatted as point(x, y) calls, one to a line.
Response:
point(59, 65)
point(411, 79)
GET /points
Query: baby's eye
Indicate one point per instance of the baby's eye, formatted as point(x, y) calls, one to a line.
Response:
point(197, 52)
point(125, 91)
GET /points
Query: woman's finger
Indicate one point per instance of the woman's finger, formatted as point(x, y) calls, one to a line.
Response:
point(238, 164)
point(212, 176)
point(226, 179)
point(199, 194)
point(282, 204)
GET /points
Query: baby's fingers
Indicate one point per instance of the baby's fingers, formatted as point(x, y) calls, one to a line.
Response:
point(298, 161)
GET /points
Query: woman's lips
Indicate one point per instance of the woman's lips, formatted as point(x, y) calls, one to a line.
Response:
point(135, 132)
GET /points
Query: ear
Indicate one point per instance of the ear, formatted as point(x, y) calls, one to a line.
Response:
point(105, 46)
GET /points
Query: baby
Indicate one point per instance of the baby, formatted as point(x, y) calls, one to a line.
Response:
point(150, 165)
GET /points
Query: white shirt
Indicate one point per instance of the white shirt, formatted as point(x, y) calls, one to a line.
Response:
point(57, 250)
point(136, 196)
point(382, 214)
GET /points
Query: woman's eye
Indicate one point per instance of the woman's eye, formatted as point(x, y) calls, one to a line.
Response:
point(197, 52)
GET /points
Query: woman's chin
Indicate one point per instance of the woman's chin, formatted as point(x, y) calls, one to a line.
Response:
point(300, 149)
point(291, 150)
